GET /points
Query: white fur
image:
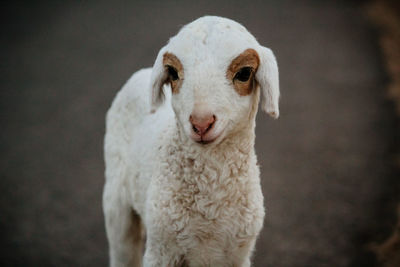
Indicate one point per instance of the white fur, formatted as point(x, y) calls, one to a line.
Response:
point(200, 204)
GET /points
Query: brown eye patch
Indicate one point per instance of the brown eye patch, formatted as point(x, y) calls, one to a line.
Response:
point(174, 70)
point(241, 71)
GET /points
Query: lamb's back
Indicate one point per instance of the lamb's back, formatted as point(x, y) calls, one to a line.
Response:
point(133, 133)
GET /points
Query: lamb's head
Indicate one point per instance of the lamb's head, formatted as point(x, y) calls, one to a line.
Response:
point(215, 69)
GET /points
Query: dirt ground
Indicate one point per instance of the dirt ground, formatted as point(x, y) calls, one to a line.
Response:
point(328, 164)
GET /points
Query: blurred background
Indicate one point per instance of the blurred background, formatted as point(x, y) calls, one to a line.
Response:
point(329, 164)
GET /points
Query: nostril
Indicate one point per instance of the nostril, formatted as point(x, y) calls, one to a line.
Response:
point(195, 129)
point(211, 123)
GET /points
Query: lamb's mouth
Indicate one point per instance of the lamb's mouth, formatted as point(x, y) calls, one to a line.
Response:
point(205, 140)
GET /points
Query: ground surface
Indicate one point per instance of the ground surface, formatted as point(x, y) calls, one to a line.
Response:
point(327, 164)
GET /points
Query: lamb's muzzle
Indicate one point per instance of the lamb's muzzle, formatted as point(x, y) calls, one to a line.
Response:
point(202, 125)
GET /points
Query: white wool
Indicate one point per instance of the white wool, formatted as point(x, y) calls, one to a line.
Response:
point(201, 205)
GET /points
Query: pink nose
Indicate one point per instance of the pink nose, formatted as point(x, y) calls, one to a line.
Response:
point(202, 124)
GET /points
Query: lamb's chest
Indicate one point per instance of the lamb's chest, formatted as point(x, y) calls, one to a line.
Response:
point(204, 223)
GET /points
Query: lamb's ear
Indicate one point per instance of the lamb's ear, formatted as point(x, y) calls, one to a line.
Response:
point(268, 77)
point(157, 80)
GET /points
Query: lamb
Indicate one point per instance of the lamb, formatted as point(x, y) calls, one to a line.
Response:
point(181, 172)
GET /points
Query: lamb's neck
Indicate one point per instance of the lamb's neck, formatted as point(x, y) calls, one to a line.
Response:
point(235, 151)
point(205, 172)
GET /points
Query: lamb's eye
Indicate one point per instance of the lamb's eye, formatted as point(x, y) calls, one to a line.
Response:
point(243, 74)
point(173, 74)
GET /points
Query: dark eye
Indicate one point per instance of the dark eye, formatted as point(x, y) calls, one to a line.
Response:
point(173, 74)
point(243, 74)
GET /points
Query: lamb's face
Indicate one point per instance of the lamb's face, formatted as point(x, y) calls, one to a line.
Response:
point(215, 69)
point(212, 100)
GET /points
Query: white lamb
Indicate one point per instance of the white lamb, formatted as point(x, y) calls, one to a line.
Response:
point(181, 171)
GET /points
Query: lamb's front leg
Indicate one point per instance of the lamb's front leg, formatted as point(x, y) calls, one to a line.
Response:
point(152, 256)
point(124, 230)
point(158, 254)
point(242, 256)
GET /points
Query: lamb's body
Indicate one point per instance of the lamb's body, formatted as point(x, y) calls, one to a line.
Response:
point(201, 204)
point(210, 204)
